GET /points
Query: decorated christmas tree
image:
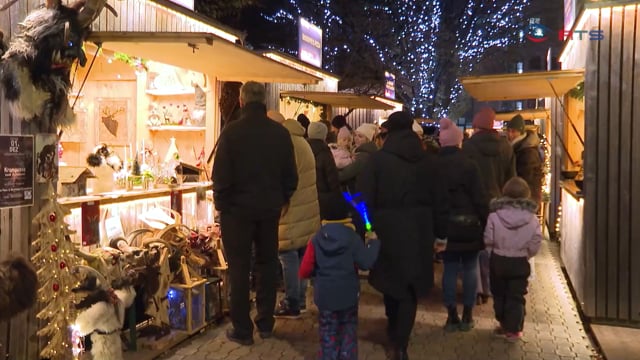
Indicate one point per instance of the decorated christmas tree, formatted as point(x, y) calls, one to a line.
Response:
point(54, 258)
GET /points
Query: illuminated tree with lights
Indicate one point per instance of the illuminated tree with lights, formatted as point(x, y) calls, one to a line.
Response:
point(479, 27)
point(54, 258)
point(427, 44)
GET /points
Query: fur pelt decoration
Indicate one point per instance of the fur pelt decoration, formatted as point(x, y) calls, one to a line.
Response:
point(18, 286)
point(35, 69)
point(101, 315)
point(102, 154)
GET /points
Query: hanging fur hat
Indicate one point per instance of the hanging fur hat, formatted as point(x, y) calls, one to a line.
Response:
point(18, 286)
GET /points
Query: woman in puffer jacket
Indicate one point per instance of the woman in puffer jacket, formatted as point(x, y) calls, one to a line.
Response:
point(299, 221)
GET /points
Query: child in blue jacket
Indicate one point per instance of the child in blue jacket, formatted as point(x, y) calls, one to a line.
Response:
point(332, 258)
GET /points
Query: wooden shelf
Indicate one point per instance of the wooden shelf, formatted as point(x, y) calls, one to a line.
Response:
point(176, 128)
point(171, 92)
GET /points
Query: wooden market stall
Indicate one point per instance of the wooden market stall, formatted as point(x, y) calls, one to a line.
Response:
point(154, 55)
point(553, 85)
point(601, 230)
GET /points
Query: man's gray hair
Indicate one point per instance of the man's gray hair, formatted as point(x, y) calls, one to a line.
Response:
point(252, 91)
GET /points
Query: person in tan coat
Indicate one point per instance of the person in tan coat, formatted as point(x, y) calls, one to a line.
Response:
point(299, 221)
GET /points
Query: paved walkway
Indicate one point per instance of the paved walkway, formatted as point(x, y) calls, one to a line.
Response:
point(552, 330)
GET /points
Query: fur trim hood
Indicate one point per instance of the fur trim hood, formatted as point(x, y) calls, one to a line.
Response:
point(514, 213)
point(503, 202)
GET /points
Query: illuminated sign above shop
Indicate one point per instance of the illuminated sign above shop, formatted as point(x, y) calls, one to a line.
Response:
point(390, 85)
point(309, 43)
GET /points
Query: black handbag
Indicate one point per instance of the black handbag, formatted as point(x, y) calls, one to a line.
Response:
point(464, 226)
point(465, 229)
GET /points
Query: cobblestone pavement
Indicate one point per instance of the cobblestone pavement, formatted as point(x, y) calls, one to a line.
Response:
point(553, 329)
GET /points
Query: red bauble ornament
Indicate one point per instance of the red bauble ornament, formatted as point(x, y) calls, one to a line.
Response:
point(52, 217)
point(54, 248)
point(56, 287)
point(63, 265)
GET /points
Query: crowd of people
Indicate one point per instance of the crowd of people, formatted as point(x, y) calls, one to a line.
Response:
point(279, 187)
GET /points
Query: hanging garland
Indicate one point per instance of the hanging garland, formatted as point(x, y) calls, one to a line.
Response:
point(137, 63)
point(578, 91)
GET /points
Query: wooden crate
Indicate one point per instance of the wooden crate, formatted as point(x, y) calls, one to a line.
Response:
point(187, 306)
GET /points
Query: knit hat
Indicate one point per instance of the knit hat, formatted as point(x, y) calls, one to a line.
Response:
point(417, 128)
point(317, 130)
point(335, 208)
point(450, 133)
point(516, 123)
point(368, 130)
point(344, 133)
point(275, 116)
point(484, 119)
point(516, 188)
point(399, 120)
point(339, 121)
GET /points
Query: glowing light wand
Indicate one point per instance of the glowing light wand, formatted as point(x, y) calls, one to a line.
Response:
point(360, 207)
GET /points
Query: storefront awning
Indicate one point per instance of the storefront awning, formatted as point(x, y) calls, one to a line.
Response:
point(523, 86)
point(352, 101)
point(202, 52)
point(526, 114)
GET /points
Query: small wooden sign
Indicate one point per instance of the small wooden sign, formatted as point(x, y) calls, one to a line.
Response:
point(90, 223)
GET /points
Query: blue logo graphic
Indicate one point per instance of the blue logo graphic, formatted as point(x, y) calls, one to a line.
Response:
point(537, 33)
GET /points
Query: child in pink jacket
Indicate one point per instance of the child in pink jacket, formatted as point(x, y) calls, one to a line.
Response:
point(512, 237)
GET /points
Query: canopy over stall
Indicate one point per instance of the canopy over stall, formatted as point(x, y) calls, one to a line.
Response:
point(522, 86)
point(530, 114)
point(202, 52)
point(347, 100)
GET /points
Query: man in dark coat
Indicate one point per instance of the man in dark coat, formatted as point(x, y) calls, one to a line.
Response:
point(526, 146)
point(254, 176)
point(327, 181)
point(495, 159)
point(407, 201)
point(491, 152)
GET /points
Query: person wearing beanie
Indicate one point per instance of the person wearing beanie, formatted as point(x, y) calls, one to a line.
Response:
point(317, 130)
point(407, 201)
point(365, 133)
point(298, 222)
point(450, 134)
point(513, 235)
point(483, 119)
point(327, 181)
point(468, 202)
point(526, 145)
point(329, 259)
point(494, 157)
point(304, 121)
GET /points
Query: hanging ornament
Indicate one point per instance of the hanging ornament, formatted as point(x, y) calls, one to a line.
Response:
point(56, 287)
point(54, 248)
point(52, 217)
point(62, 265)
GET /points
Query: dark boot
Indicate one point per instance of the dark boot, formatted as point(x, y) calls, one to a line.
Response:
point(467, 319)
point(400, 353)
point(453, 321)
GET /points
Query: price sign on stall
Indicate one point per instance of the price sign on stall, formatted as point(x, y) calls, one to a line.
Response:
point(16, 170)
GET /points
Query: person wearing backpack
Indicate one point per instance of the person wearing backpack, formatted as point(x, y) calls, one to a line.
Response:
point(469, 209)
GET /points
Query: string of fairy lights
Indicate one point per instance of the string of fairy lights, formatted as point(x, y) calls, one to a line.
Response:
point(482, 25)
